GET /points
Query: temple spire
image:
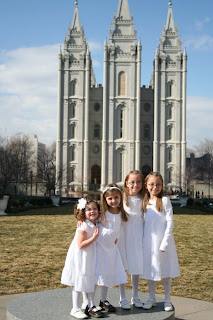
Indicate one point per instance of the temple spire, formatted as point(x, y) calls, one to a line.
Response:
point(123, 10)
point(75, 21)
point(170, 20)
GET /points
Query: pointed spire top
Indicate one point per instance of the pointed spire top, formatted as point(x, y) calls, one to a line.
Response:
point(75, 21)
point(170, 20)
point(123, 10)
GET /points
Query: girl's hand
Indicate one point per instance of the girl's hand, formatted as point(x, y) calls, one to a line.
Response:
point(96, 234)
point(116, 240)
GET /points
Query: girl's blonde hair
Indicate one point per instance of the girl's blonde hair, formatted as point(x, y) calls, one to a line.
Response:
point(80, 213)
point(108, 190)
point(159, 202)
point(126, 190)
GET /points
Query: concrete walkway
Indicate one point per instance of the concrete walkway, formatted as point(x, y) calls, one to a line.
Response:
point(56, 305)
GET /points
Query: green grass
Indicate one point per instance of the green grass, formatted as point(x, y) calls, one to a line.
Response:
point(34, 247)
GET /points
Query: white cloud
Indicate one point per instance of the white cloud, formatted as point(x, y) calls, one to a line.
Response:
point(199, 120)
point(203, 42)
point(28, 85)
point(200, 24)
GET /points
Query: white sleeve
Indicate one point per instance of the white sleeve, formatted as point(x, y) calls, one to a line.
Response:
point(169, 223)
point(83, 227)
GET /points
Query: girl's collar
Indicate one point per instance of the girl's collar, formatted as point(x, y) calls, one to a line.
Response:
point(90, 224)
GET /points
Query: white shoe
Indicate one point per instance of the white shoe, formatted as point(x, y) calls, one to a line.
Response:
point(125, 305)
point(78, 314)
point(168, 306)
point(137, 303)
point(83, 306)
point(149, 304)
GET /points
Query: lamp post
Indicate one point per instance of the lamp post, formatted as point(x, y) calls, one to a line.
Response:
point(31, 182)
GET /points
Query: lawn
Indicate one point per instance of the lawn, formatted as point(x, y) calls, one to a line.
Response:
point(34, 247)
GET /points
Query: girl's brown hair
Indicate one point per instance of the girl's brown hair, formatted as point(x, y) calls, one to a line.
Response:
point(80, 213)
point(126, 190)
point(159, 202)
point(104, 206)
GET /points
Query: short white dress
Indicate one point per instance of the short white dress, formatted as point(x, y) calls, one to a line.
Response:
point(158, 236)
point(109, 266)
point(133, 233)
point(80, 264)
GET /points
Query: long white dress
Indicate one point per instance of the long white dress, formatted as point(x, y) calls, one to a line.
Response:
point(79, 268)
point(109, 267)
point(133, 233)
point(158, 236)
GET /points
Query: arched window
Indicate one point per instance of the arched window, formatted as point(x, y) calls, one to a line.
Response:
point(169, 111)
point(169, 132)
point(146, 132)
point(72, 153)
point(72, 174)
point(170, 89)
point(169, 175)
point(72, 110)
point(122, 84)
point(120, 164)
point(72, 131)
point(97, 131)
point(169, 154)
point(120, 122)
point(73, 88)
point(95, 174)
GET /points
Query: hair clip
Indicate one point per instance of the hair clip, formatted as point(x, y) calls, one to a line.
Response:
point(81, 204)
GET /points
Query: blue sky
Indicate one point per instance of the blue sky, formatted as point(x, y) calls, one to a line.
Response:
point(31, 32)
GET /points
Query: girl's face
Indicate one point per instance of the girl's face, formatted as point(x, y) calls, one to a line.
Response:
point(134, 184)
point(154, 186)
point(113, 201)
point(91, 212)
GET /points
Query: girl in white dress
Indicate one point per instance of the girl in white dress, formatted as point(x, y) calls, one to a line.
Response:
point(109, 268)
point(133, 234)
point(79, 268)
point(160, 256)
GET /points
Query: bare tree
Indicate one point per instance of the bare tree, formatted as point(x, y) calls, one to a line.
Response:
point(16, 159)
point(205, 148)
point(47, 168)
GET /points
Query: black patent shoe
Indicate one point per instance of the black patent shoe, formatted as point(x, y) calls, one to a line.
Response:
point(94, 312)
point(107, 306)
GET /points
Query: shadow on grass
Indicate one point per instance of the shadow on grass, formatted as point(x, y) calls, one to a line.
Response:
point(193, 210)
point(67, 209)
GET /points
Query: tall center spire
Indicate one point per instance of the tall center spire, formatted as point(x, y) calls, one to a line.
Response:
point(170, 20)
point(123, 10)
point(75, 21)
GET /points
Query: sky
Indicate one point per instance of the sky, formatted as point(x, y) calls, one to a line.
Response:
point(31, 32)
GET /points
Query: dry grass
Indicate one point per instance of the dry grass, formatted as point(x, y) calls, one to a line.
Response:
point(33, 250)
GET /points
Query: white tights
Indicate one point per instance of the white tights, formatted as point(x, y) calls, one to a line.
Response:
point(88, 299)
point(135, 283)
point(167, 288)
point(104, 291)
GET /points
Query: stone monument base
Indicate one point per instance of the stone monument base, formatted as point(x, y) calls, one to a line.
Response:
point(57, 304)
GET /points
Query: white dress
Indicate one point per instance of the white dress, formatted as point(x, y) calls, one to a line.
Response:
point(133, 233)
point(109, 268)
point(158, 236)
point(79, 268)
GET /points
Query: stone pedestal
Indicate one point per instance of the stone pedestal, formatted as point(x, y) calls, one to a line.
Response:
point(57, 304)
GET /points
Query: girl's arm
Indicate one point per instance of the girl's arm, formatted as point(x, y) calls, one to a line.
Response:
point(83, 242)
point(169, 224)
